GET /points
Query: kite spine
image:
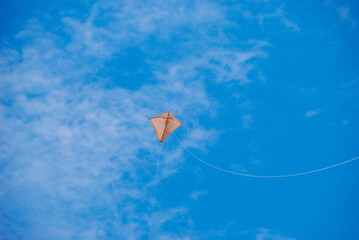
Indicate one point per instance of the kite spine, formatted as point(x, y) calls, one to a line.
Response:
point(164, 130)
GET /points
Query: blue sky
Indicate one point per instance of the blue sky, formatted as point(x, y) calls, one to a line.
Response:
point(261, 87)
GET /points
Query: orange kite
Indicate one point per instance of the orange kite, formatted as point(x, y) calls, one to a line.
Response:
point(164, 124)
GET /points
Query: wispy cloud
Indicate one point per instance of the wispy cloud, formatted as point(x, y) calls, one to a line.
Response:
point(265, 234)
point(277, 13)
point(344, 13)
point(238, 168)
point(196, 194)
point(312, 113)
point(221, 65)
point(247, 120)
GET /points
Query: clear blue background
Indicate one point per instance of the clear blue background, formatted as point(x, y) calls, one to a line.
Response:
point(261, 87)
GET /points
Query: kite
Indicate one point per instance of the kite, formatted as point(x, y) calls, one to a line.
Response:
point(164, 124)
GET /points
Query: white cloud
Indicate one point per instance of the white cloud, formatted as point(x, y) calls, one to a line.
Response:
point(277, 13)
point(221, 65)
point(247, 120)
point(344, 13)
point(290, 24)
point(238, 168)
point(196, 194)
point(312, 113)
point(265, 234)
point(128, 23)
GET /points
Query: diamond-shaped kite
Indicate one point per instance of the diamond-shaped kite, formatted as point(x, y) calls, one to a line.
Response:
point(164, 124)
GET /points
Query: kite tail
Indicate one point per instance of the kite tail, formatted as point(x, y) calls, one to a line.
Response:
point(259, 176)
point(154, 191)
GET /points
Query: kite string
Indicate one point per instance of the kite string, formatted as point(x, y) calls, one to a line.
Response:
point(154, 191)
point(259, 176)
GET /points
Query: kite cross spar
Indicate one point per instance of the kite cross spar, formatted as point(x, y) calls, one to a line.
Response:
point(163, 131)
